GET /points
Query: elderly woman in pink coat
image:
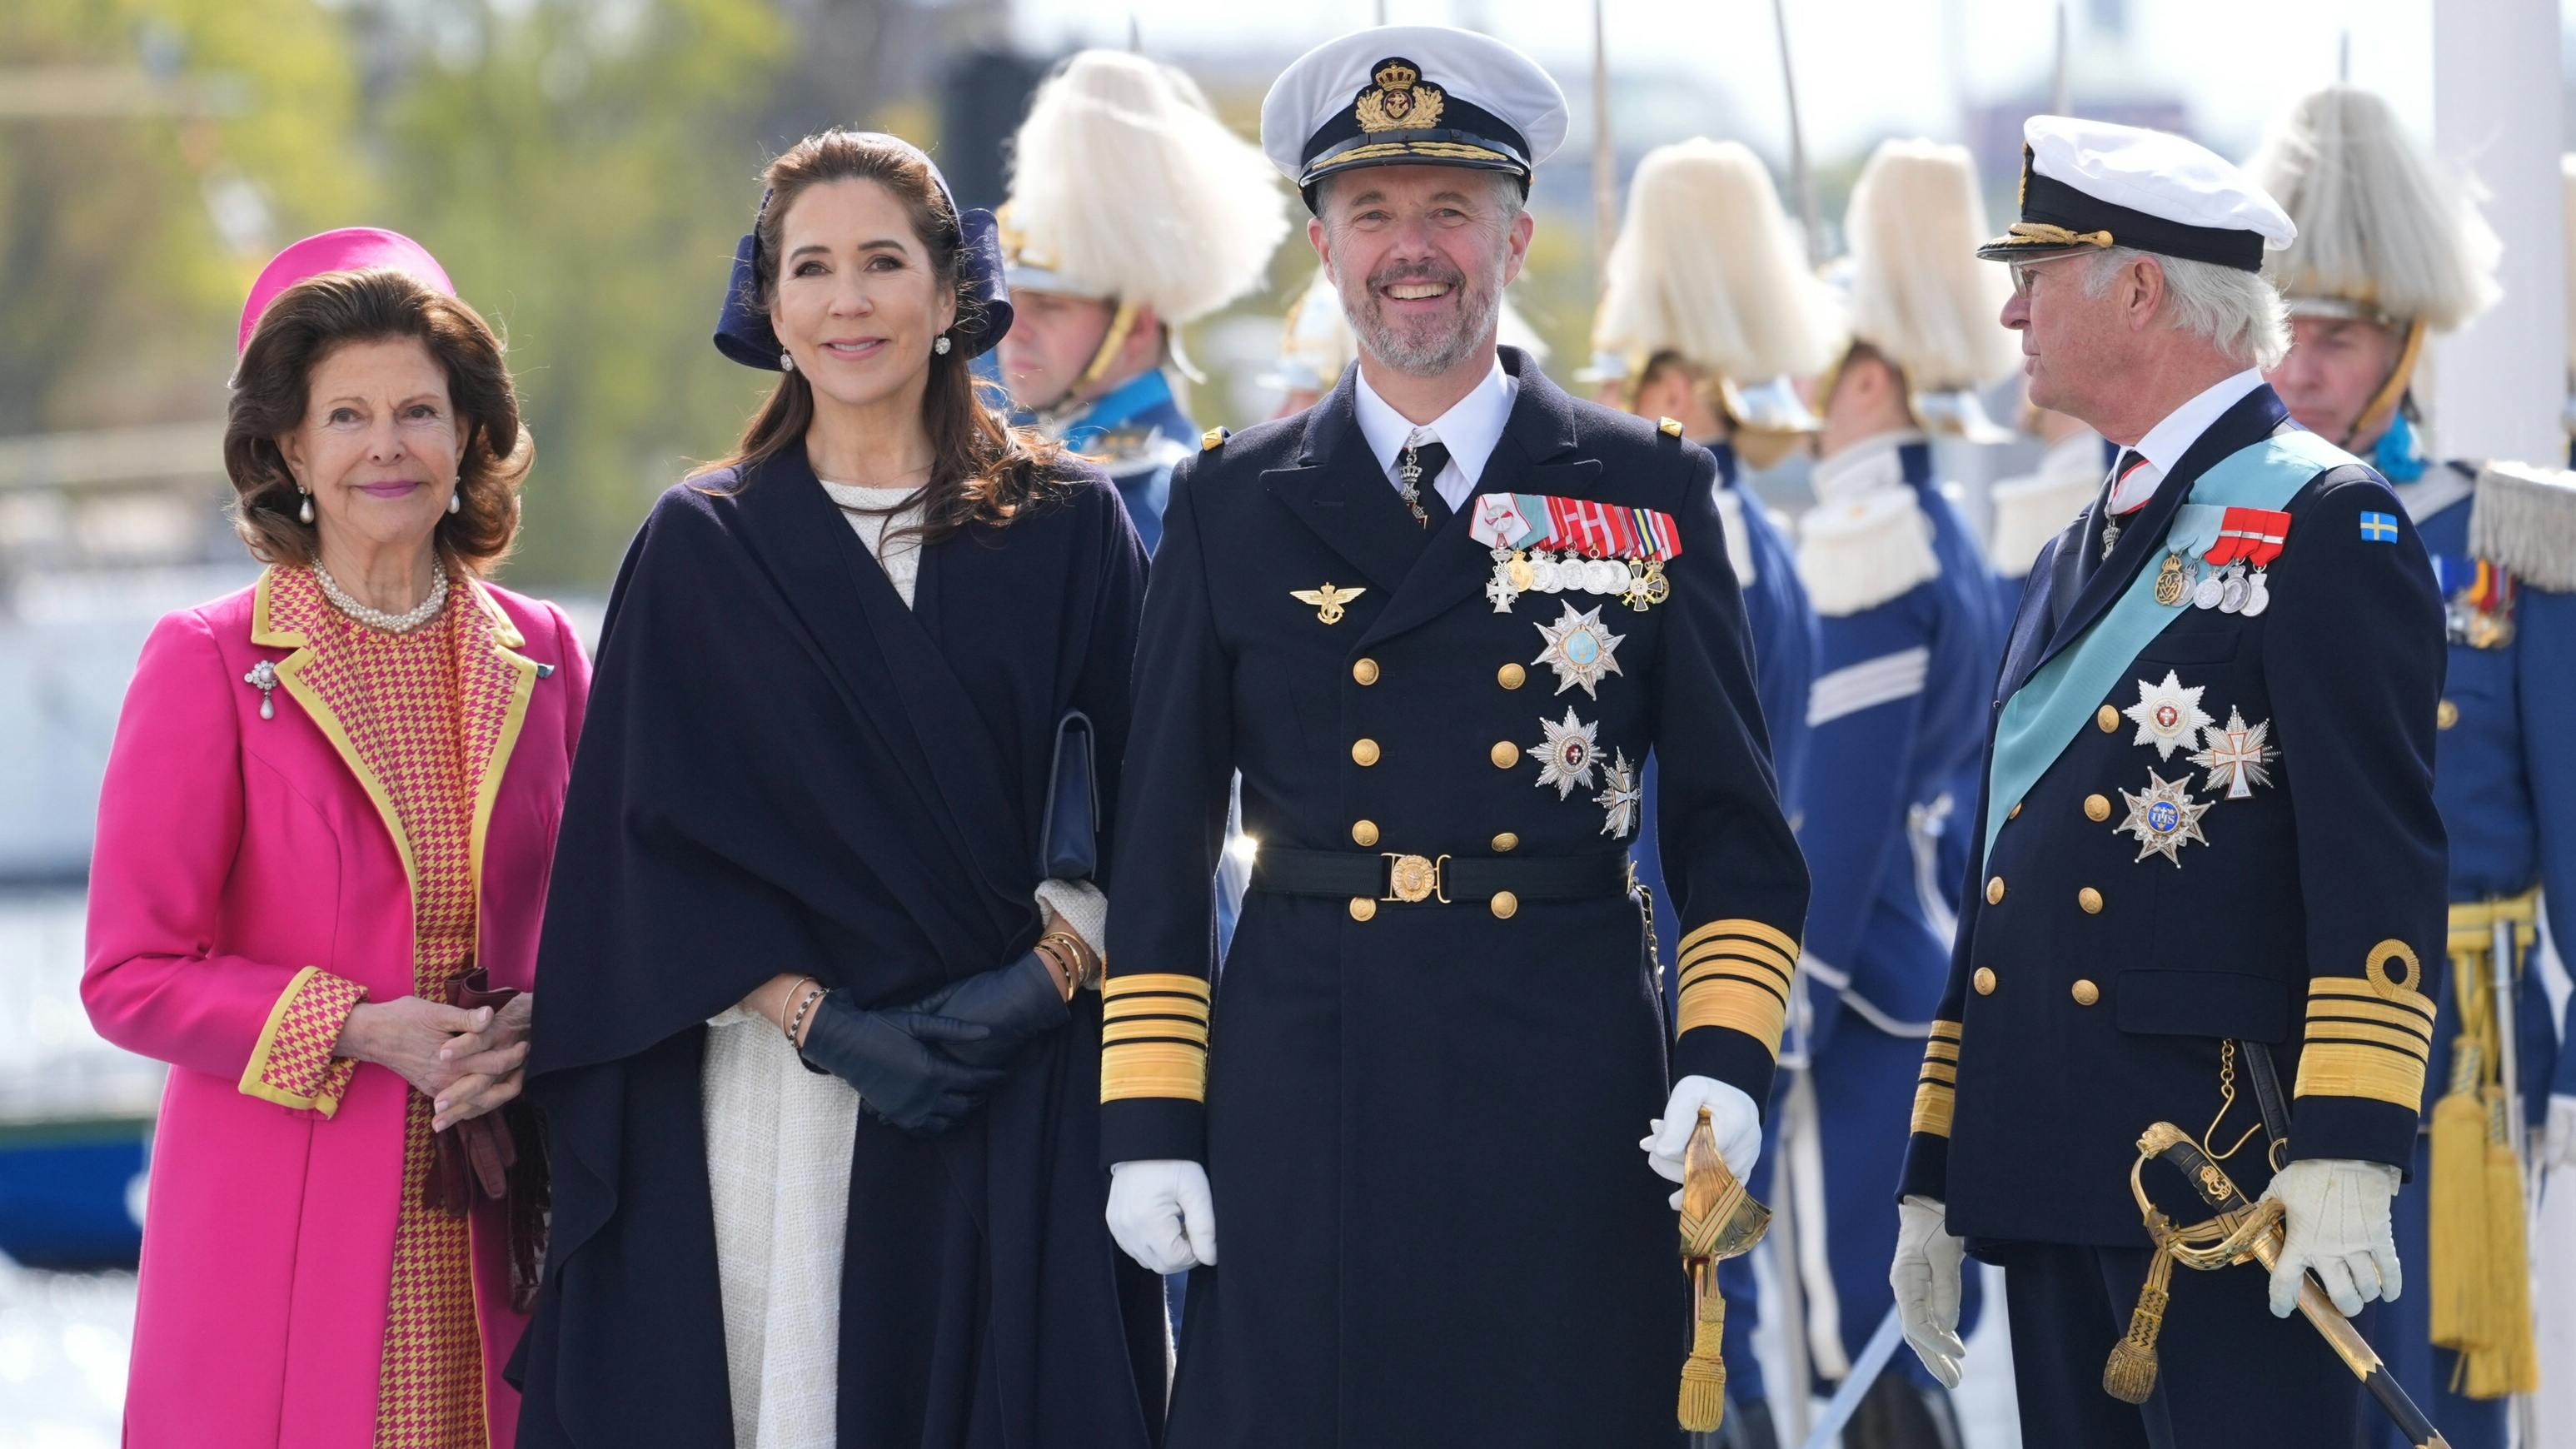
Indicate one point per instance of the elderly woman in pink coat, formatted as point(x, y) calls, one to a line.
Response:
point(322, 856)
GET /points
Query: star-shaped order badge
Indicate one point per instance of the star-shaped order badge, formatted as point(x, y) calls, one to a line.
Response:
point(1565, 760)
point(1579, 649)
point(1620, 796)
point(2238, 756)
point(2168, 716)
point(2164, 817)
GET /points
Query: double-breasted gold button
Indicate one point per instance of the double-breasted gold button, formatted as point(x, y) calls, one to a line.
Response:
point(1984, 980)
point(1505, 905)
point(1363, 909)
point(2445, 715)
point(1995, 891)
point(2086, 993)
point(2107, 718)
point(1511, 676)
point(2097, 807)
point(1363, 752)
point(1363, 832)
point(2090, 899)
point(1506, 754)
point(1506, 843)
point(1364, 670)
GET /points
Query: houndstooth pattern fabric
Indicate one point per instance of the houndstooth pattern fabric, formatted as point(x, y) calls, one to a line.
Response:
point(299, 1061)
point(424, 712)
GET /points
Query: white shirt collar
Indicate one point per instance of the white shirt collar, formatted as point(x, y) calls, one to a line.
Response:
point(1472, 429)
point(2167, 441)
point(1863, 468)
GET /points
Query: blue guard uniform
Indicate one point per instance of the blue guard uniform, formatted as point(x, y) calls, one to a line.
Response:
point(2210, 863)
point(2031, 509)
point(1137, 432)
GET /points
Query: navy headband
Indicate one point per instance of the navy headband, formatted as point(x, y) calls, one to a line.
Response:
point(743, 332)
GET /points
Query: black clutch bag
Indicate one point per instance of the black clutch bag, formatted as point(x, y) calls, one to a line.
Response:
point(1069, 836)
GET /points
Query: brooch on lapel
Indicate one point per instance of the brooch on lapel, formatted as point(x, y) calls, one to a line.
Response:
point(1553, 545)
point(263, 677)
point(1328, 601)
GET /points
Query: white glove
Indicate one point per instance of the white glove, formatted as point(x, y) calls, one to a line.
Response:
point(2558, 1133)
point(1161, 1214)
point(1925, 1276)
point(2337, 1212)
point(1731, 1116)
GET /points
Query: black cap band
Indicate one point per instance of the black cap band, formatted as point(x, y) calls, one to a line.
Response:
point(2056, 217)
point(1444, 131)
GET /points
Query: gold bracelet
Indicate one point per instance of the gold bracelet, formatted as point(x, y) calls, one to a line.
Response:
point(1082, 970)
point(1065, 974)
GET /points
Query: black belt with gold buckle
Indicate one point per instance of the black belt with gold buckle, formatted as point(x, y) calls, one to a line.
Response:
point(1439, 880)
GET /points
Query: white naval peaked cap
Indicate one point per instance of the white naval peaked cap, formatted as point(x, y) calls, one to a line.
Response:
point(2567, 181)
point(1420, 95)
point(2382, 233)
point(1917, 293)
point(2093, 184)
point(1706, 266)
point(1125, 185)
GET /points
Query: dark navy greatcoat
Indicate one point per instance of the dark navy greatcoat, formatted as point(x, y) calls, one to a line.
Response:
point(1420, 1127)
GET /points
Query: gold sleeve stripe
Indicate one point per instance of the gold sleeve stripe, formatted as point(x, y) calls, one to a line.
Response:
point(1786, 961)
point(1175, 1006)
point(1153, 1069)
point(1189, 1031)
point(1757, 1014)
point(1772, 936)
point(1942, 1072)
point(1932, 1103)
point(2346, 1069)
point(1747, 953)
point(1715, 976)
point(1156, 981)
point(2355, 988)
point(2396, 1041)
point(1737, 967)
point(2351, 1008)
point(1940, 1051)
point(1945, 1031)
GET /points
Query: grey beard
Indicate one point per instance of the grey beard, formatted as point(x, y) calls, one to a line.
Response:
point(1426, 355)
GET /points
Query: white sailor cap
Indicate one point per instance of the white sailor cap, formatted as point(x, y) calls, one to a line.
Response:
point(2094, 184)
point(1421, 95)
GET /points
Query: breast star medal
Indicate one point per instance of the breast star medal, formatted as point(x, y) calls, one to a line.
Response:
point(2164, 817)
point(1579, 649)
point(2168, 716)
point(1565, 758)
point(1620, 797)
point(2238, 756)
point(1328, 601)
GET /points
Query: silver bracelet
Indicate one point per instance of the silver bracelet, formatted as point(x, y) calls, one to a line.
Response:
point(802, 1007)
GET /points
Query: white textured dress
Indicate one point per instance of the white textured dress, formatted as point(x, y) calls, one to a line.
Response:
point(778, 1153)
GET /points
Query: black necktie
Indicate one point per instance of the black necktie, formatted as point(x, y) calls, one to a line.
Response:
point(1430, 458)
point(2105, 530)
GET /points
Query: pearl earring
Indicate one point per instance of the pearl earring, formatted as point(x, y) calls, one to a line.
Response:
point(786, 360)
point(939, 344)
point(305, 513)
point(456, 501)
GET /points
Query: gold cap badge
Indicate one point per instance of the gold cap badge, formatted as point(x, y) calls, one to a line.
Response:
point(1400, 101)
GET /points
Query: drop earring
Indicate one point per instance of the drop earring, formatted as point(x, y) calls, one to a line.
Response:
point(456, 500)
point(305, 514)
point(786, 360)
point(939, 344)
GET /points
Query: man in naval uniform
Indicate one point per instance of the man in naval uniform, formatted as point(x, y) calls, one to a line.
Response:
point(1133, 211)
point(2388, 251)
point(1437, 623)
point(1706, 303)
point(1910, 641)
point(2209, 863)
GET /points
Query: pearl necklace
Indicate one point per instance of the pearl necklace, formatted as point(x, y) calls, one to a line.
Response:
point(402, 623)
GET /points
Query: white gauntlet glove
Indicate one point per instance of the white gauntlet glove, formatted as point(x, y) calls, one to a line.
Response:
point(1731, 1115)
point(1161, 1214)
point(2337, 1215)
point(1925, 1276)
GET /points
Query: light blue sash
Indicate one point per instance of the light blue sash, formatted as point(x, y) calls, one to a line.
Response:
point(2049, 709)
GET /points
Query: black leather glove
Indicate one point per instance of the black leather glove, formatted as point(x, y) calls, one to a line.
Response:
point(1017, 1003)
point(904, 1063)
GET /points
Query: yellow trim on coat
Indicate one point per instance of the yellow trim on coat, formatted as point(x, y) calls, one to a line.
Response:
point(523, 683)
point(253, 1079)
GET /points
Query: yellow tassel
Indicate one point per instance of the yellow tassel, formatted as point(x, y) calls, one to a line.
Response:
point(1703, 1399)
point(2456, 1266)
point(2130, 1373)
point(2509, 1360)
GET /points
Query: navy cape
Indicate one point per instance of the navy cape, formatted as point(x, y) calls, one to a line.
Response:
point(784, 769)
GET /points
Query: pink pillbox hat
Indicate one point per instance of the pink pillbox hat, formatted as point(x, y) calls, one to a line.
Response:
point(349, 249)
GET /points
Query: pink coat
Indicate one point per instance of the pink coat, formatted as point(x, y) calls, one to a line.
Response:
point(233, 851)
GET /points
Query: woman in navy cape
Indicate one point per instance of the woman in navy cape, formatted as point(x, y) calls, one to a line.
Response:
point(804, 829)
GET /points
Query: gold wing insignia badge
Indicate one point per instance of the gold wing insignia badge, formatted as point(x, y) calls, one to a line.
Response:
point(1401, 100)
point(1328, 601)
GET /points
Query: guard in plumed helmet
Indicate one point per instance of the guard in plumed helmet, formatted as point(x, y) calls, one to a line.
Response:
point(1706, 302)
point(1437, 622)
point(1133, 211)
point(2208, 889)
point(2389, 252)
point(2029, 509)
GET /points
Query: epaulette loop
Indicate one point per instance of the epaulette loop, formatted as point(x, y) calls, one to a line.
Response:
point(1212, 438)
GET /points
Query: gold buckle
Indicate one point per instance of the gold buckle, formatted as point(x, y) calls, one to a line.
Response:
point(1414, 879)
